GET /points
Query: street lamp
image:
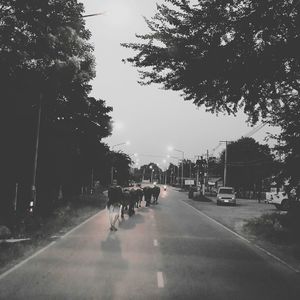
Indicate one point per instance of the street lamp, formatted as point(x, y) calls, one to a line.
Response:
point(175, 157)
point(33, 199)
point(152, 175)
point(170, 148)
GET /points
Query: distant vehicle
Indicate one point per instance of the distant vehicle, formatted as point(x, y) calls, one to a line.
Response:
point(194, 191)
point(279, 199)
point(226, 195)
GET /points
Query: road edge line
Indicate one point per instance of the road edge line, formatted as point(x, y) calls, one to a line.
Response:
point(243, 238)
point(23, 262)
point(83, 223)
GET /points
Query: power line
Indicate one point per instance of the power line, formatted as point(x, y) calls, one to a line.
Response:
point(254, 130)
point(248, 134)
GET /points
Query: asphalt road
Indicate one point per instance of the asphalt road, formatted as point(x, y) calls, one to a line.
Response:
point(167, 251)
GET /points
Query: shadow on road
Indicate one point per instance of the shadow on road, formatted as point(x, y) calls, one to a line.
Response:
point(112, 267)
point(132, 221)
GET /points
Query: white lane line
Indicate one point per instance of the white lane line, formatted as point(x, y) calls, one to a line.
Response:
point(43, 249)
point(26, 260)
point(160, 280)
point(81, 224)
point(244, 239)
point(155, 243)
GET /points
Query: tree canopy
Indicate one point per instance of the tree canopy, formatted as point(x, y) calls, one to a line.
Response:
point(248, 163)
point(287, 116)
point(121, 163)
point(46, 60)
point(223, 54)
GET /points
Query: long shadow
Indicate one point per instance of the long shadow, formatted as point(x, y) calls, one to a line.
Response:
point(155, 207)
point(132, 221)
point(112, 267)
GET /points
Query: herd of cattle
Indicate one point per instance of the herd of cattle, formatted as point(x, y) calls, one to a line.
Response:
point(131, 198)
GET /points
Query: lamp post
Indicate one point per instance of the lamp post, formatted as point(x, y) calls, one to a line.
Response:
point(112, 166)
point(151, 175)
point(182, 152)
point(177, 168)
point(225, 162)
point(33, 199)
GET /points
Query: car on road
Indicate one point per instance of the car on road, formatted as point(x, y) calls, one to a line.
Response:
point(226, 195)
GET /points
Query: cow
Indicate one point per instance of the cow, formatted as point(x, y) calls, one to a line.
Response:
point(147, 195)
point(130, 197)
point(133, 199)
point(125, 201)
point(155, 193)
point(115, 199)
point(140, 194)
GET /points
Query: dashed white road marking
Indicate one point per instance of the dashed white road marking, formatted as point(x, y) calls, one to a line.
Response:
point(160, 280)
point(244, 239)
point(155, 243)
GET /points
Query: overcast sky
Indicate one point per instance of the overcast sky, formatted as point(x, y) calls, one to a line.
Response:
point(150, 118)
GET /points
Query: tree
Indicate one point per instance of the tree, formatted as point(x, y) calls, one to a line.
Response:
point(150, 171)
point(248, 163)
point(46, 60)
point(227, 55)
point(223, 54)
point(288, 117)
point(121, 163)
point(173, 171)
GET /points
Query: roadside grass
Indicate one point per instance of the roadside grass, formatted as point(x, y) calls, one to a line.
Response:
point(277, 228)
point(41, 232)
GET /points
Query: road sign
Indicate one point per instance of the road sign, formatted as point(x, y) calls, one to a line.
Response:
point(189, 182)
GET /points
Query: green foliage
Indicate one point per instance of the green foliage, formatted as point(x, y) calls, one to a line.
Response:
point(121, 163)
point(224, 55)
point(287, 116)
point(248, 162)
point(147, 170)
point(275, 227)
point(45, 57)
point(44, 50)
point(229, 55)
point(268, 226)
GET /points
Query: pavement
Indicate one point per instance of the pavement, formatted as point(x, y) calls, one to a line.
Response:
point(234, 217)
point(167, 251)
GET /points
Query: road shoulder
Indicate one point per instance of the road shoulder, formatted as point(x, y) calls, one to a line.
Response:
point(235, 217)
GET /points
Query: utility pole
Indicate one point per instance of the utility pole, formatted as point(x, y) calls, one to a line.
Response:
point(205, 177)
point(225, 163)
point(33, 198)
point(197, 175)
point(36, 151)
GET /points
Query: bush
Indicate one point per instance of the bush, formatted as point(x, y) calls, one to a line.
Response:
point(270, 226)
point(4, 232)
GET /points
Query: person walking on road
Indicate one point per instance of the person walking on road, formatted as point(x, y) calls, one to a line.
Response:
point(115, 195)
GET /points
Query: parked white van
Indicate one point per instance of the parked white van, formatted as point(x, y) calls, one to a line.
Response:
point(279, 199)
